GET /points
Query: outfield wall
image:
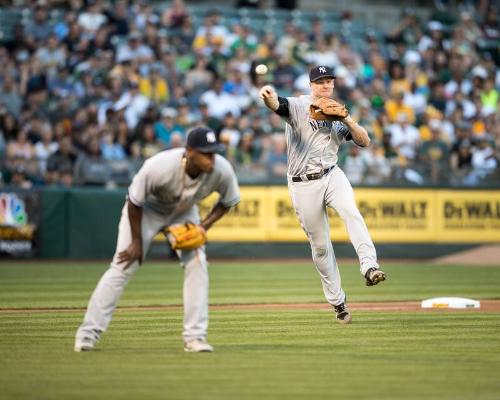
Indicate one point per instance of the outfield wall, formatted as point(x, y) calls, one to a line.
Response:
point(392, 215)
point(82, 223)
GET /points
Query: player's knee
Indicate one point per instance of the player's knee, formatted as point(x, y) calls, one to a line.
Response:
point(196, 257)
point(319, 253)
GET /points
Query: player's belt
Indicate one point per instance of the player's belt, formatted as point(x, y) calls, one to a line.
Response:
point(313, 176)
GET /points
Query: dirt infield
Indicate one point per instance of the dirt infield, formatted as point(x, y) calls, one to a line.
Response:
point(396, 306)
point(482, 255)
point(486, 306)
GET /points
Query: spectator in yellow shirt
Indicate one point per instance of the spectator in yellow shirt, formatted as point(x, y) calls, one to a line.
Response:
point(154, 87)
point(490, 96)
point(395, 106)
point(399, 82)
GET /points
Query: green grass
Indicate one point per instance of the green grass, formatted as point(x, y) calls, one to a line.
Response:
point(260, 354)
point(70, 285)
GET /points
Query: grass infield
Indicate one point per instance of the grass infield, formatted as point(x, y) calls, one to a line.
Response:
point(260, 354)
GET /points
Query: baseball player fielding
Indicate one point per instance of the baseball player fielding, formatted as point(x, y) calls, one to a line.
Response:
point(164, 193)
point(316, 126)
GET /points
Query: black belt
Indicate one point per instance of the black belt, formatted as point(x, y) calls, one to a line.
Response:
point(312, 177)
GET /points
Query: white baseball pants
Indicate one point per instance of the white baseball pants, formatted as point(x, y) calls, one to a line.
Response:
point(310, 200)
point(109, 289)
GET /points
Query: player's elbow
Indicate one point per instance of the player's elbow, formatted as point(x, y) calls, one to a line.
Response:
point(363, 142)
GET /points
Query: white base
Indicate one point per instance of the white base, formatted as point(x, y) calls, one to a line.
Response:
point(450, 302)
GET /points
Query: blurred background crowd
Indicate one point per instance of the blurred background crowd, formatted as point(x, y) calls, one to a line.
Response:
point(90, 89)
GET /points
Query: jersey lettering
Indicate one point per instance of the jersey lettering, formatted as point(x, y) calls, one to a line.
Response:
point(317, 125)
point(312, 145)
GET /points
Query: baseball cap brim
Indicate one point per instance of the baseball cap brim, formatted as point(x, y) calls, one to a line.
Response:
point(212, 148)
point(323, 76)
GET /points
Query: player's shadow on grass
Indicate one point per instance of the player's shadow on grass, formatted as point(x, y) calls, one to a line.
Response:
point(263, 347)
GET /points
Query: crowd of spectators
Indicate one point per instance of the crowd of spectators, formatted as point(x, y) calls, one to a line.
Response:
point(89, 91)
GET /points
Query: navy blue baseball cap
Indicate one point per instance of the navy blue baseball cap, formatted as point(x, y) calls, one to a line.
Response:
point(320, 71)
point(204, 140)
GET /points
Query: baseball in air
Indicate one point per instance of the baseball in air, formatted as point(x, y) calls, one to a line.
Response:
point(261, 69)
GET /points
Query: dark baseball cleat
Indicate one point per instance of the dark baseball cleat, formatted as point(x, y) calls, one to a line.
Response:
point(342, 314)
point(373, 276)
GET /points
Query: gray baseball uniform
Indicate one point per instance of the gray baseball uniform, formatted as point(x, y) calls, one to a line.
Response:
point(312, 147)
point(168, 196)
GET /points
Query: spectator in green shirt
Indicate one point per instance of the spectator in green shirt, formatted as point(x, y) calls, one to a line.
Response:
point(434, 153)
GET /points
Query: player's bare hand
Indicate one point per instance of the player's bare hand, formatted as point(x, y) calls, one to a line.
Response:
point(131, 254)
point(267, 92)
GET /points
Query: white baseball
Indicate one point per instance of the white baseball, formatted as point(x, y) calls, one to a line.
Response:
point(261, 69)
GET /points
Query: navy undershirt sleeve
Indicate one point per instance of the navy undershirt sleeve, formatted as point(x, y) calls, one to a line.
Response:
point(283, 110)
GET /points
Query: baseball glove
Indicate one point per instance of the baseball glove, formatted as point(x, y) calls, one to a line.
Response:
point(186, 236)
point(326, 109)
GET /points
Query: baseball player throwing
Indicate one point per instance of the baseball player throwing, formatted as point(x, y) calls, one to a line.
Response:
point(316, 126)
point(164, 193)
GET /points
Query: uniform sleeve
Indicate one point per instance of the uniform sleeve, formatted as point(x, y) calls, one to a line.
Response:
point(228, 188)
point(295, 108)
point(140, 187)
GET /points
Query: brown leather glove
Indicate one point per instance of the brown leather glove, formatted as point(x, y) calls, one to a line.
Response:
point(186, 236)
point(326, 109)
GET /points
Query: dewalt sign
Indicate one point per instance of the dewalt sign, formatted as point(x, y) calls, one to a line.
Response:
point(469, 216)
point(395, 215)
point(266, 214)
point(247, 221)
